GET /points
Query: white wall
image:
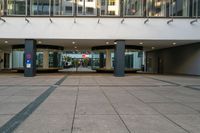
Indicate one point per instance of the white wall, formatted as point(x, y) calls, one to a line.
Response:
point(109, 28)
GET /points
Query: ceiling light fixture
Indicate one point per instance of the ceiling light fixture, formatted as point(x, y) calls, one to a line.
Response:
point(6, 42)
point(39, 42)
point(141, 43)
point(75, 47)
point(174, 43)
point(115, 42)
point(73, 42)
point(153, 48)
point(107, 42)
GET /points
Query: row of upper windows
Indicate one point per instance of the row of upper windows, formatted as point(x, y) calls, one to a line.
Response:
point(134, 8)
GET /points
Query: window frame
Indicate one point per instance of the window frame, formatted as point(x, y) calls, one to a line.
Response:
point(106, 5)
point(124, 10)
point(165, 10)
point(40, 14)
point(7, 10)
point(172, 11)
point(84, 9)
point(73, 9)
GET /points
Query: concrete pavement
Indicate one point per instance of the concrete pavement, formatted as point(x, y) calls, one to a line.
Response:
point(102, 103)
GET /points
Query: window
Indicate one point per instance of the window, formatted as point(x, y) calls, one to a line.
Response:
point(111, 13)
point(110, 8)
point(112, 2)
point(63, 7)
point(1, 8)
point(16, 7)
point(40, 7)
point(196, 8)
point(156, 8)
point(179, 8)
point(87, 7)
point(133, 7)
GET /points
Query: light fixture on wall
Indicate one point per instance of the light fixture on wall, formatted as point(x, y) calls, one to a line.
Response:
point(147, 20)
point(74, 20)
point(98, 21)
point(170, 21)
point(2, 19)
point(50, 20)
point(194, 21)
point(27, 20)
point(122, 21)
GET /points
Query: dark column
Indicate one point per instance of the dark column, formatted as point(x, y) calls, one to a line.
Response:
point(119, 64)
point(101, 60)
point(30, 58)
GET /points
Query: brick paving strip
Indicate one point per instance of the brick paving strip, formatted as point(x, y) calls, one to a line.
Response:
point(16, 120)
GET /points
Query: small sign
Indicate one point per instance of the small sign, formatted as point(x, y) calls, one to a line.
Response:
point(28, 56)
point(28, 65)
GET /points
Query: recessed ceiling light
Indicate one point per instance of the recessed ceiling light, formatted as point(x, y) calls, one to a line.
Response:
point(39, 42)
point(174, 43)
point(107, 42)
point(75, 47)
point(5, 41)
point(115, 42)
point(73, 42)
point(141, 43)
point(153, 48)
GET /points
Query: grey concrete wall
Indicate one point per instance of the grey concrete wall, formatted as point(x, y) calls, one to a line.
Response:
point(177, 60)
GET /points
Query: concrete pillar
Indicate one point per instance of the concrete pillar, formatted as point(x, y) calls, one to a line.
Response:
point(108, 59)
point(30, 58)
point(45, 59)
point(119, 66)
point(101, 59)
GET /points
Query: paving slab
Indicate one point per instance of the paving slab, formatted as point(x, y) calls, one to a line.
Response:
point(43, 123)
point(150, 124)
point(98, 124)
point(190, 122)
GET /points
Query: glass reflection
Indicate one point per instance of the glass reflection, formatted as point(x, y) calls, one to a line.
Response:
point(87, 7)
point(1, 7)
point(133, 7)
point(110, 7)
point(196, 8)
point(179, 8)
point(16, 7)
point(156, 8)
point(40, 7)
point(63, 7)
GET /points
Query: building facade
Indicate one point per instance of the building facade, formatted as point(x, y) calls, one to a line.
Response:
point(151, 26)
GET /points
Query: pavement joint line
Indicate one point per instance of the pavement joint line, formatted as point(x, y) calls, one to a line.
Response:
point(193, 87)
point(169, 82)
point(159, 112)
point(116, 111)
point(117, 85)
point(75, 107)
point(59, 82)
point(21, 116)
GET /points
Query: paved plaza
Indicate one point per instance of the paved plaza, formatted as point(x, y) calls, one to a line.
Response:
point(99, 103)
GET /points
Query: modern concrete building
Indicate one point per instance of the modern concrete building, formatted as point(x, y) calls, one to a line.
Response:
point(161, 35)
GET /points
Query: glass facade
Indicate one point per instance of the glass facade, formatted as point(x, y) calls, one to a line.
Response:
point(63, 7)
point(1, 8)
point(40, 7)
point(110, 8)
point(87, 7)
point(179, 8)
point(54, 58)
point(16, 7)
point(196, 8)
point(156, 8)
point(133, 59)
point(131, 8)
